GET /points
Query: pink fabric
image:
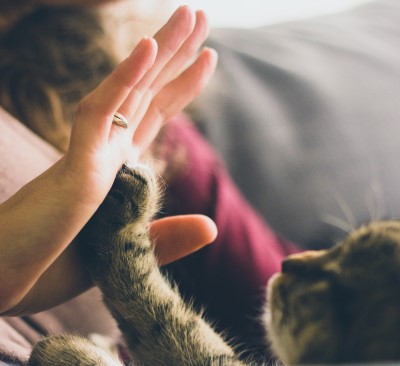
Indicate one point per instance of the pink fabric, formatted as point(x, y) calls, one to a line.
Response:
point(23, 155)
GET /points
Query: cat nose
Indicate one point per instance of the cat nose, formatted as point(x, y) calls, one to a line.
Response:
point(298, 262)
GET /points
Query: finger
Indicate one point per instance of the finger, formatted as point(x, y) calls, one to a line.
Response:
point(100, 105)
point(178, 236)
point(169, 39)
point(185, 53)
point(177, 38)
point(176, 63)
point(175, 96)
point(112, 92)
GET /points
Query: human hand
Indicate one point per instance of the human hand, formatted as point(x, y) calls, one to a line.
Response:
point(147, 88)
point(44, 217)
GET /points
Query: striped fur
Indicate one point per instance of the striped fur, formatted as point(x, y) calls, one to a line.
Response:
point(159, 328)
point(333, 306)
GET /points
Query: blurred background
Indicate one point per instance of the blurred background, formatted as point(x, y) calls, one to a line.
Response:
point(147, 16)
point(250, 13)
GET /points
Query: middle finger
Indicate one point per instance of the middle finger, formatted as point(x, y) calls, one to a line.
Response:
point(169, 39)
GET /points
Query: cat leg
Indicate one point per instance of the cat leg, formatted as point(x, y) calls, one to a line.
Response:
point(68, 350)
point(160, 329)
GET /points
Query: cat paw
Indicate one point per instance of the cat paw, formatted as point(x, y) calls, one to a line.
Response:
point(128, 207)
point(133, 196)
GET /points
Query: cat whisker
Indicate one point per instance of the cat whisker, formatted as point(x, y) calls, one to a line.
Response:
point(338, 223)
point(374, 200)
point(377, 191)
point(347, 212)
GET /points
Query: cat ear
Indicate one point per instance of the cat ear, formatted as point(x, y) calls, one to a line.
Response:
point(305, 261)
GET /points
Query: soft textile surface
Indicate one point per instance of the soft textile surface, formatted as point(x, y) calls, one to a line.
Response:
point(83, 315)
point(307, 117)
point(23, 155)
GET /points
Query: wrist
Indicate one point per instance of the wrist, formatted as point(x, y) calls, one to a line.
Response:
point(40, 220)
point(81, 184)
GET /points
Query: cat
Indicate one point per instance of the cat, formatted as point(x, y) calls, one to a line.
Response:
point(333, 306)
point(340, 305)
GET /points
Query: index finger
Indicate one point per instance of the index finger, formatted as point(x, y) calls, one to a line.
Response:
point(101, 104)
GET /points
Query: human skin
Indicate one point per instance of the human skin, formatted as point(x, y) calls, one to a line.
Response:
point(39, 268)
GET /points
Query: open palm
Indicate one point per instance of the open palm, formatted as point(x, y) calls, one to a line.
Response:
point(147, 88)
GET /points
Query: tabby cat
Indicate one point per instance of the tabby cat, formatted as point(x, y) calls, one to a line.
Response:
point(340, 305)
point(334, 306)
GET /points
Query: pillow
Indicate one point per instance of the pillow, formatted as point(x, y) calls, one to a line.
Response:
point(306, 115)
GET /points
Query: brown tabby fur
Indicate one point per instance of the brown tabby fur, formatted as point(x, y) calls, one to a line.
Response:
point(334, 306)
point(159, 328)
point(340, 305)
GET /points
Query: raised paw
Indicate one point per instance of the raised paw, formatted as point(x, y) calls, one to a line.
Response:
point(132, 199)
point(126, 211)
point(133, 196)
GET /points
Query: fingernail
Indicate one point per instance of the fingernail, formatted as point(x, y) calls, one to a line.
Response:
point(180, 8)
point(211, 50)
point(140, 45)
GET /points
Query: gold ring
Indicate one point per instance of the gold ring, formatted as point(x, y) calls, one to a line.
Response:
point(120, 120)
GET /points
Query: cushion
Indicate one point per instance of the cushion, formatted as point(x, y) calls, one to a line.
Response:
point(306, 116)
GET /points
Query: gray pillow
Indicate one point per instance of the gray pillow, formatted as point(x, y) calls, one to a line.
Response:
point(307, 117)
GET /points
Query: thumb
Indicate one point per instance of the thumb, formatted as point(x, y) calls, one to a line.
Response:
point(178, 236)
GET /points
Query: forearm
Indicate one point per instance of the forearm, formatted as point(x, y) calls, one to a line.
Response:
point(36, 225)
point(65, 279)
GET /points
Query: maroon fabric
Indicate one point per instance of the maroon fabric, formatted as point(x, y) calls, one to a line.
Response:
point(228, 277)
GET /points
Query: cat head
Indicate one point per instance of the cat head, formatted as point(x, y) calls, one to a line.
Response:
point(339, 305)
